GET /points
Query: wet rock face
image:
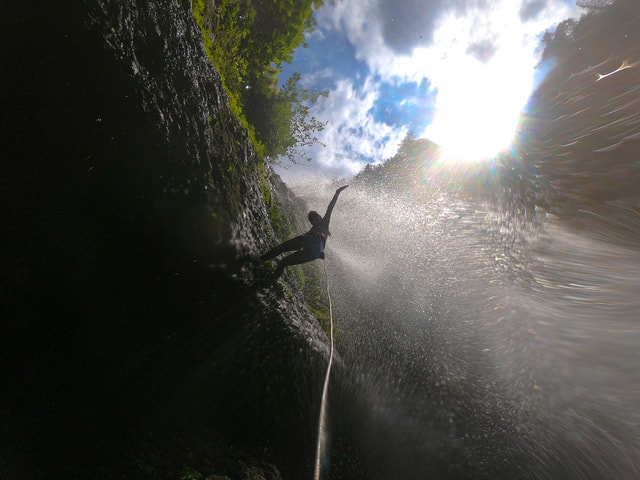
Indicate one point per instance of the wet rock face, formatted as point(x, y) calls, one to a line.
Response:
point(204, 147)
point(131, 194)
point(120, 95)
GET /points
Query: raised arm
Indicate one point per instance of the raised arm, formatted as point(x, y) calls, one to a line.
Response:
point(332, 203)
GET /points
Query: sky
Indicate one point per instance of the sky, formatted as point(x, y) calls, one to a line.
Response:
point(458, 72)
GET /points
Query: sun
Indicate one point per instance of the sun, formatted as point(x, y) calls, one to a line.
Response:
point(481, 68)
point(477, 109)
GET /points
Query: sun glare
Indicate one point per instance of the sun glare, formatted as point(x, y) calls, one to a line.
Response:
point(477, 112)
point(478, 101)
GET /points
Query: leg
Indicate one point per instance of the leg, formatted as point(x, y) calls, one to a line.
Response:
point(295, 243)
point(301, 256)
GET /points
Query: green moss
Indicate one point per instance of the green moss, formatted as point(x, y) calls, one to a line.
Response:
point(196, 456)
point(223, 55)
point(278, 221)
point(323, 319)
point(311, 281)
point(190, 474)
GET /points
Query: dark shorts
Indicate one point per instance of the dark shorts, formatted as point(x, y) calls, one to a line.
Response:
point(307, 247)
point(313, 246)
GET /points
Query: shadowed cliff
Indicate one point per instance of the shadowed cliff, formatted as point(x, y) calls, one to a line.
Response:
point(136, 342)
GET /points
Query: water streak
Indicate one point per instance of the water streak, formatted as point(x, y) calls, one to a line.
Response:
point(486, 341)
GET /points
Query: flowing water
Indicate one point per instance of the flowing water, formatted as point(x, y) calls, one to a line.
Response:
point(500, 338)
point(485, 343)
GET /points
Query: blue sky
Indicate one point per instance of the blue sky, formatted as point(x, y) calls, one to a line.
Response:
point(455, 71)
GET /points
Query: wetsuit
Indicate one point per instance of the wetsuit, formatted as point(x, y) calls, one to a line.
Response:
point(309, 246)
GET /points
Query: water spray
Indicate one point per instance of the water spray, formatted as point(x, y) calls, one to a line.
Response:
point(322, 422)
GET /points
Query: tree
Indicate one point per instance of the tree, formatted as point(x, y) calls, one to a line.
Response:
point(282, 117)
point(248, 40)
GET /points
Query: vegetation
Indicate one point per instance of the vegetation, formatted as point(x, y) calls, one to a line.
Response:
point(411, 165)
point(312, 282)
point(248, 41)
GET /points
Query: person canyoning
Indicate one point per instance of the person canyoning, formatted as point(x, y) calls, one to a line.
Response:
point(307, 247)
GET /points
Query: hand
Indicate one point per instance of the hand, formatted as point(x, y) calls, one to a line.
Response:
point(341, 188)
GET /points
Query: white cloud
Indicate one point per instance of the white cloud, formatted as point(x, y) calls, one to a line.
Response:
point(480, 58)
point(318, 77)
point(478, 55)
point(352, 137)
point(358, 22)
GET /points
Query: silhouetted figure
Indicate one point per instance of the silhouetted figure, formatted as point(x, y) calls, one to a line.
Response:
point(309, 246)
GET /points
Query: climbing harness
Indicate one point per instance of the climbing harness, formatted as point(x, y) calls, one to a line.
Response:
point(323, 404)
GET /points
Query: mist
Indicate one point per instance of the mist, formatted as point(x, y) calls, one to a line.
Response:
point(481, 341)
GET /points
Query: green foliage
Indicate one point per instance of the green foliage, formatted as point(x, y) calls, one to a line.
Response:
point(247, 41)
point(282, 116)
point(224, 53)
point(190, 474)
point(313, 287)
point(409, 166)
point(196, 456)
point(251, 39)
point(265, 185)
point(280, 223)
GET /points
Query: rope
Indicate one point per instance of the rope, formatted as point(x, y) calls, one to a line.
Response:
point(323, 404)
